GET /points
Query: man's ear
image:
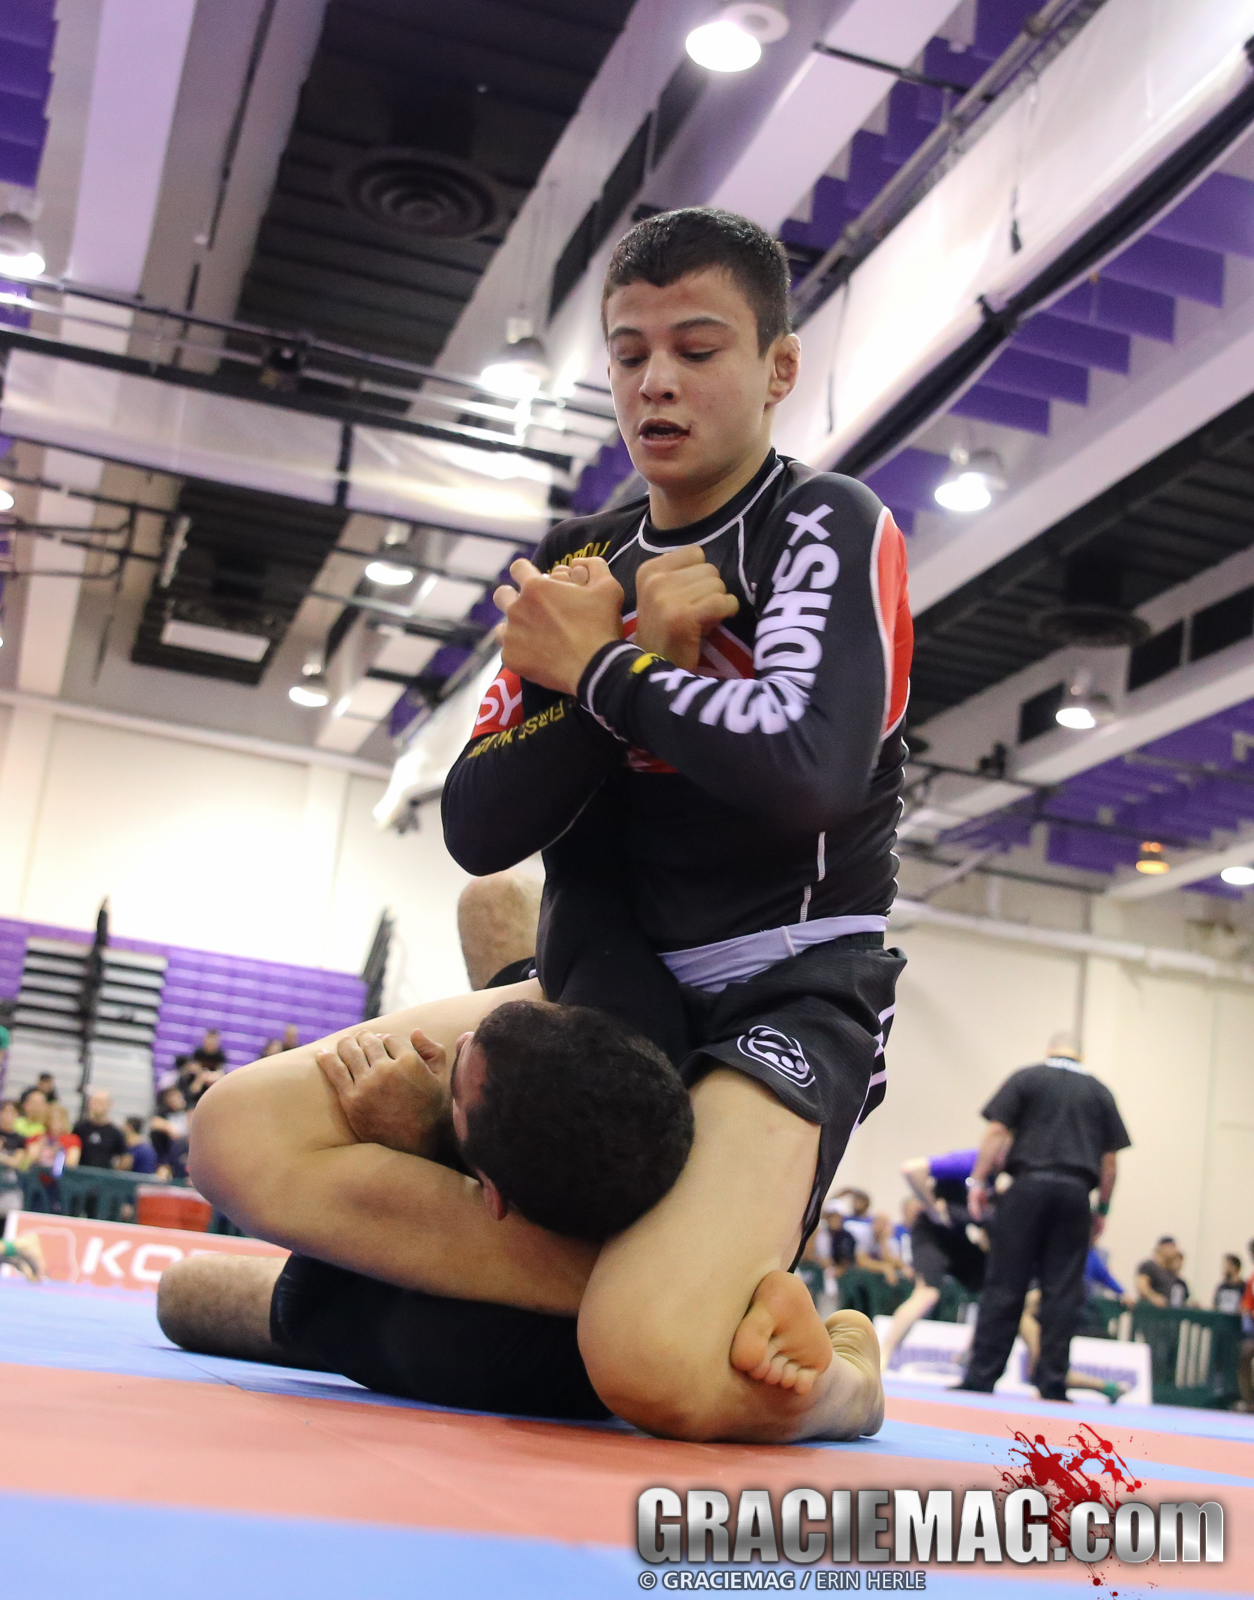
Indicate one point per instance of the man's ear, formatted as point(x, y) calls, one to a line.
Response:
point(493, 1199)
point(785, 366)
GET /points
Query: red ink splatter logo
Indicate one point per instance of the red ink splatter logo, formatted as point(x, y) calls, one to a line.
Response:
point(1086, 1468)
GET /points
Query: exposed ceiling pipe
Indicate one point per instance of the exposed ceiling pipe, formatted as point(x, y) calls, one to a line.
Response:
point(910, 913)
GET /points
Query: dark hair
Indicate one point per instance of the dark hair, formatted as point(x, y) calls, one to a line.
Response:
point(582, 1124)
point(1166, 1239)
point(1236, 1261)
point(662, 249)
point(135, 1124)
point(26, 1094)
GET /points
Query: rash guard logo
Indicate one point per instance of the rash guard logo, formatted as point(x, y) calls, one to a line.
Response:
point(777, 1051)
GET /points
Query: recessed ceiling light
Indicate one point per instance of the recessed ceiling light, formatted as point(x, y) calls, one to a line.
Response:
point(7, 502)
point(389, 574)
point(1238, 877)
point(20, 252)
point(1081, 709)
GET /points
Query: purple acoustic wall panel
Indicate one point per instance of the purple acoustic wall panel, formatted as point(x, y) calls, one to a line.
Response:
point(1170, 268)
point(28, 32)
point(1082, 343)
point(600, 478)
point(1123, 307)
point(1022, 372)
point(987, 404)
point(1218, 215)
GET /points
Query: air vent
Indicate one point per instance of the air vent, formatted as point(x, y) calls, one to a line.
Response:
point(423, 194)
point(1092, 612)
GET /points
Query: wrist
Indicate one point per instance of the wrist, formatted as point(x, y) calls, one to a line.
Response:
point(1103, 1208)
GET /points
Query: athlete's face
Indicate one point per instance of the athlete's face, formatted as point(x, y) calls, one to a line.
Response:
point(693, 395)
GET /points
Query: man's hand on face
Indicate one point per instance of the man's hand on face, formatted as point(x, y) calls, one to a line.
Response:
point(554, 626)
point(391, 1093)
point(679, 598)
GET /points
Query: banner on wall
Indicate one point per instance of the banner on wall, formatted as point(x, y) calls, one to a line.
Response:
point(116, 1255)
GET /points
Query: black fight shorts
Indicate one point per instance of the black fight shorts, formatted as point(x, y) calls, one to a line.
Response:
point(812, 1030)
point(466, 1355)
point(936, 1252)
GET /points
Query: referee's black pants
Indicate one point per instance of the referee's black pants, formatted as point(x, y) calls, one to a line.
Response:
point(1041, 1230)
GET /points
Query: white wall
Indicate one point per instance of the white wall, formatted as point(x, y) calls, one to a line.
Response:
point(218, 849)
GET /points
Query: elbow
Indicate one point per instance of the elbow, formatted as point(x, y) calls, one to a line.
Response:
point(222, 1160)
point(477, 852)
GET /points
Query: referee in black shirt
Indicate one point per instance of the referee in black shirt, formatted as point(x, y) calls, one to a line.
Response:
point(1059, 1130)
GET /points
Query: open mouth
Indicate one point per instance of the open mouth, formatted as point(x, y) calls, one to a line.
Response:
point(659, 430)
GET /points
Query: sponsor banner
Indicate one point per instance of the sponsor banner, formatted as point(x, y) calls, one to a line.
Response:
point(936, 1352)
point(116, 1255)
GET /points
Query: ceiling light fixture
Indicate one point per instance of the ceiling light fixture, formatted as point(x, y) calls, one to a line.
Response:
point(7, 502)
point(733, 41)
point(313, 692)
point(1238, 877)
point(389, 574)
point(21, 255)
point(1150, 861)
point(973, 478)
point(518, 370)
point(1081, 709)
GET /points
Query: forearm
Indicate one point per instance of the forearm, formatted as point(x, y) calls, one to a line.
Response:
point(1106, 1188)
point(992, 1152)
point(512, 793)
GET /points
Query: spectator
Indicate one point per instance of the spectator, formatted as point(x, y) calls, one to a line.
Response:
point(872, 1235)
point(32, 1113)
point(272, 1047)
point(194, 1079)
point(1245, 1359)
point(140, 1156)
point(12, 1159)
point(1158, 1279)
point(1231, 1288)
point(169, 1123)
point(47, 1086)
point(209, 1052)
point(291, 1036)
point(49, 1154)
point(1177, 1266)
point(102, 1140)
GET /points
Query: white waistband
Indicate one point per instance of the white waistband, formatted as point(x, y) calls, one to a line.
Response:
point(712, 967)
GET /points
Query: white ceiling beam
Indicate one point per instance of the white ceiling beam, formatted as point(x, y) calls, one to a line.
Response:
point(824, 105)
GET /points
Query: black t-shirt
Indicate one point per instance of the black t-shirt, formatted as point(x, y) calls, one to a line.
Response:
point(1062, 1119)
point(101, 1142)
point(1228, 1296)
point(12, 1142)
point(212, 1059)
point(760, 790)
point(1174, 1290)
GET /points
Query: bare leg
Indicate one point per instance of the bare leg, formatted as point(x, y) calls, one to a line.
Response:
point(667, 1298)
point(922, 1298)
point(497, 919)
point(220, 1306)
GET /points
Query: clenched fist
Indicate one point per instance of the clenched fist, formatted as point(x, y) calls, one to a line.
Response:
point(679, 598)
point(554, 625)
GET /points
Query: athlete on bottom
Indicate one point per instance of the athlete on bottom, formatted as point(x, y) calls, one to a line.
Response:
point(424, 1235)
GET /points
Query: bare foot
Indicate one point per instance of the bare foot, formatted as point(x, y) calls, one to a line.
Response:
point(854, 1344)
point(781, 1339)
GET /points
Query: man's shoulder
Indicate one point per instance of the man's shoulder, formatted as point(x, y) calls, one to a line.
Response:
point(597, 535)
point(802, 486)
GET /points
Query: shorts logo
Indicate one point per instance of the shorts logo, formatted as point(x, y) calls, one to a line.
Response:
point(777, 1051)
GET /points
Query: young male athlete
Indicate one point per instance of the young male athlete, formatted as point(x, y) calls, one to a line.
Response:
point(743, 806)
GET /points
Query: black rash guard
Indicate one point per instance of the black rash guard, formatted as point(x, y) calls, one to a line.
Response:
point(760, 791)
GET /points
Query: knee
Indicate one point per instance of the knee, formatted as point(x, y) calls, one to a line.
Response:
point(650, 1374)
